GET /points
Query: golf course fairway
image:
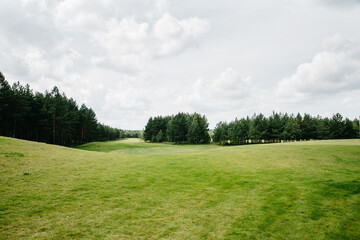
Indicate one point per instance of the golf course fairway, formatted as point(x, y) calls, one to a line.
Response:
point(134, 190)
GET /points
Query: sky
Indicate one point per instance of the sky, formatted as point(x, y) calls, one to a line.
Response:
point(132, 59)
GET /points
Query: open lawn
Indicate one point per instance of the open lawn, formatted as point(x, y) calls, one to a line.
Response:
point(134, 190)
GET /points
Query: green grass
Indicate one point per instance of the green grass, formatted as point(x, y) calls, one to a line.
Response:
point(135, 190)
point(137, 146)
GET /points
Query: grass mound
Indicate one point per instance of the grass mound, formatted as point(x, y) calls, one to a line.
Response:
point(134, 190)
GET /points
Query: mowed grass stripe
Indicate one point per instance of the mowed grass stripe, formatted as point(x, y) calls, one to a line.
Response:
point(277, 191)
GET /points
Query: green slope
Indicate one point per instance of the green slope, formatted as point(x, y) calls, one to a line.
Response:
point(134, 190)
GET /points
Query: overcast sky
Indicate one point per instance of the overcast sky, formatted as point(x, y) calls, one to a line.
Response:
point(129, 60)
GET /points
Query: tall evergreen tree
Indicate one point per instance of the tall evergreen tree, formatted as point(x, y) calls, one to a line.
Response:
point(160, 136)
point(259, 129)
point(221, 133)
point(276, 127)
point(154, 126)
point(148, 132)
point(6, 96)
point(198, 131)
point(337, 126)
point(49, 117)
point(349, 131)
point(308, 127)
point(178, 128)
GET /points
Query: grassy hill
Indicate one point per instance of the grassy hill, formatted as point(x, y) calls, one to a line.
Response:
point(135, 190)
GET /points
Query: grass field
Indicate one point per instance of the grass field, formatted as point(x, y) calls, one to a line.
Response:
point(134, 190)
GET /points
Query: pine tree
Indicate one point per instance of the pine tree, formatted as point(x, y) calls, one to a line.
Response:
point(198, 131)
point(6, 95)
point(178, 128)
point(337, 126)
point(160, 137)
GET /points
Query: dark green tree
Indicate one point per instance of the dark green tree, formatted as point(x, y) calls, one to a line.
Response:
point(337, 126)
point(276, 127)
point(148, 131)
point(198, 131)
point(356, 127)
point(160, 136)
point(349, 131)
point(6, 95)
point(178, 128)
point(259, 129)
point(308, 127)
point(49, 117)
point(153, 126)
point(221, 133)
point(322, 128)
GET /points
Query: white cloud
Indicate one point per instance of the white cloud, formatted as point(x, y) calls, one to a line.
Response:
point(124, 42)
point(160, 7)
point(40, 4)
point(34, 59)
point(128, 43)
point(99, 32)
point(130, 60)
point(351, 101)
point(79, 15)
point(172, 35)
point(96, 51)
point(225, 92)
point(342, 3)
point(340, 43)
point(335, 70)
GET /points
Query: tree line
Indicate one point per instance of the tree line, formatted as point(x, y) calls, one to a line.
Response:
point(283, 127)
point(132, 133)
point(49, 117)
point(181, 128)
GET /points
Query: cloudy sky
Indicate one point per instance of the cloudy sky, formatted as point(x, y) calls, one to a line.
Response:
point(132, 59)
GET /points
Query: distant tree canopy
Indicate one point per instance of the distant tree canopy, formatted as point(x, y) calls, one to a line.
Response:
point(283, 127)
point(132, 133)
point(50, 117)
point(186, 128)
point(181, 128)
